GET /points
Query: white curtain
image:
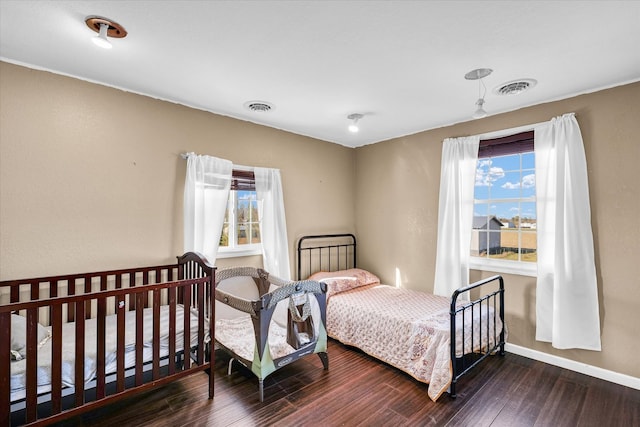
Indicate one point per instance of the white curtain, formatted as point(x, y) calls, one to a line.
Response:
point(206, 192)
point(567, 295)
point(275, 246)
point(455, 213)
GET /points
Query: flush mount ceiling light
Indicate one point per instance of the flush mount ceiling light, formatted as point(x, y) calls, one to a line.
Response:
point(479, 74)
point(353, 127)
point(514, 87)
point(105, 28)
point(258, 106)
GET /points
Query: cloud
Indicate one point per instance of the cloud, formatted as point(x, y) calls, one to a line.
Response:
point(486, 177)
point(510, 185)
point(528, 181)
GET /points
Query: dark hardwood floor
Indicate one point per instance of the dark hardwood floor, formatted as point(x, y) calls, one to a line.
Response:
point(360, 391)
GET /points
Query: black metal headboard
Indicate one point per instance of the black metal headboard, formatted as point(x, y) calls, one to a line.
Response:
point(325, 252)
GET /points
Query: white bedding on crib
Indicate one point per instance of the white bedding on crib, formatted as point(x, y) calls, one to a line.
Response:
point(18, 368)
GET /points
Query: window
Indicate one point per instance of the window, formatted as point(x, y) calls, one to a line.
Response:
point(241, 228)
point(503, 235)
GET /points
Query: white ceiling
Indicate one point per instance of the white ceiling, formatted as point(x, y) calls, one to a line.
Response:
point(400, 63)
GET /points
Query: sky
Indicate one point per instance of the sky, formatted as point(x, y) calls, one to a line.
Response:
point(501, 181)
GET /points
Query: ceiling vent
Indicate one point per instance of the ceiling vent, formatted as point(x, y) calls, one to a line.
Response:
point(514, 87)
point(258, 106)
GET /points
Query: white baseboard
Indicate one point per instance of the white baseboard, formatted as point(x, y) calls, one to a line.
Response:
point(572, 365)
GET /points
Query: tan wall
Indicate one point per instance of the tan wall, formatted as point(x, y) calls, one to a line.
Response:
point(91, 177)
point(397, 186)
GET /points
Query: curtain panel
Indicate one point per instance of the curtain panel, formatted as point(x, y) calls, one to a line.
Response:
point(567, 312)
point(455, 214)
point(273, 224)
point(206, 192)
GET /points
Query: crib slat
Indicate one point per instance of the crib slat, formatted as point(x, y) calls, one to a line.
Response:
point(186, 326)
point(139, 335)
point(32, 364)
point(35, 290)
point(172, 330)
point(56, 358)
point(103, 282)
point(212, 315)
point(156, 334)
point(87, 290)
point(200, 350)
point(145, 296)
point(15, 294)
point(5, 366)
point(53, 292)
point(71, 308)
point(79, 361)
point(100, 345)
point(120, 320)
point(132, 283)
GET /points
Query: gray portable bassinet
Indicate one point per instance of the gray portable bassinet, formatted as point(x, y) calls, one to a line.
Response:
point(265, 322)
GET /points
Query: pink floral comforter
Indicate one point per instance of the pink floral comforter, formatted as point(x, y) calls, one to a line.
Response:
point(405, 328)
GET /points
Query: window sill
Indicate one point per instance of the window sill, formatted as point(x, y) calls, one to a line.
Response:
point(506, 267)
point(239, 253)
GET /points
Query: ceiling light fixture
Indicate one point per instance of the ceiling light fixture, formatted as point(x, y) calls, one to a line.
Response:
point(479, 74)
point(353, 127)
point(101, 39)
point(105, 28)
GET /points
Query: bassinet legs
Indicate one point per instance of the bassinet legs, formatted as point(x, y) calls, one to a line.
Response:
point(324, 357)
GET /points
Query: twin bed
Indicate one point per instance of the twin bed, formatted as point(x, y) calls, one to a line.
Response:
point(81, 341)
point(434, 339)
point(127, 331)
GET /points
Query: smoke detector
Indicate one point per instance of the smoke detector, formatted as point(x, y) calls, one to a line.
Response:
point(514, 87)
point(258, 106)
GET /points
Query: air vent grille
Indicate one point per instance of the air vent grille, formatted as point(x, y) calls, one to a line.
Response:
point(515, 87)
point(258, 106)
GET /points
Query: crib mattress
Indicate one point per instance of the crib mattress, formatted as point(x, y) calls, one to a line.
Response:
point(407, 329)
point(237, 335)
point(18, 368)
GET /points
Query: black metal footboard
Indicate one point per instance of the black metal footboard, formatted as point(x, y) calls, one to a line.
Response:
point(487, 335)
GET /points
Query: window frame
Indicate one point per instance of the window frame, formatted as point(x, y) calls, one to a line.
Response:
point(514, 143)
point(241, 180)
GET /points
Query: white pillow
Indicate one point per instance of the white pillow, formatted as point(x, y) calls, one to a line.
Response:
point(19, 336)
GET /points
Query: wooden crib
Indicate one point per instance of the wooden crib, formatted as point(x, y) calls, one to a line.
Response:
point(121, 331)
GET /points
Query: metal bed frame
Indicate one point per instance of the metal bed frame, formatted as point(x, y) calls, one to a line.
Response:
point(331, 252)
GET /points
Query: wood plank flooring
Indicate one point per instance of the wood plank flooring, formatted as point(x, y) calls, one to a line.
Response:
point(358, 390)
